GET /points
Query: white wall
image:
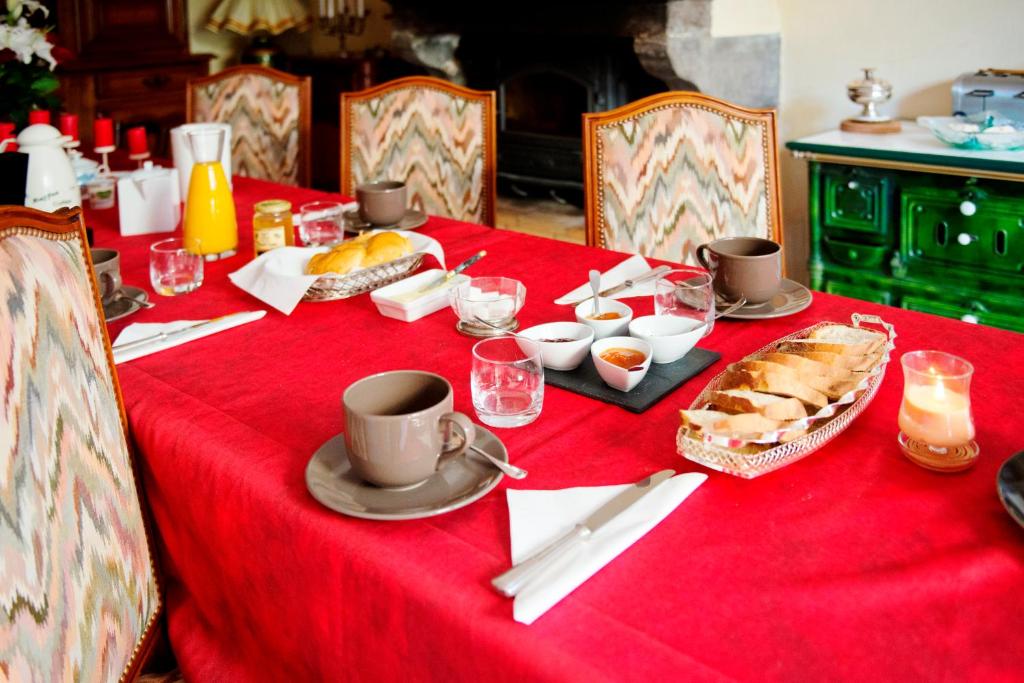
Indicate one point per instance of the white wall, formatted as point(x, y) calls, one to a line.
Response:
point(919, 46)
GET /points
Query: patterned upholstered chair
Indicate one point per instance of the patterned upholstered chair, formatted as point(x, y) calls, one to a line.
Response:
point(435, 136)
point(79, 598)
point(270, 117)
point(667, 173)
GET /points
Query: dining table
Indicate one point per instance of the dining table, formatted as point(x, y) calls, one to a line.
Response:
point(853, 563)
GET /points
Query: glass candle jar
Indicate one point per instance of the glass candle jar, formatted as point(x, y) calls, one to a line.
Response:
point(272, 225)
point(936, 426)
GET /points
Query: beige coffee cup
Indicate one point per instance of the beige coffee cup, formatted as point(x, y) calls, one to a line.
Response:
point(382, 203)
point(106, 263)
point(749, 267)
point(398, 427)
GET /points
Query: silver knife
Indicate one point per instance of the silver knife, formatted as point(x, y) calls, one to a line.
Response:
point(443, 278)
point(649, 275)
point(164, 336)
point(512, 581)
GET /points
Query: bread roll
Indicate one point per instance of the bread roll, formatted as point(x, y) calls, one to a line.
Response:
point(340, 260)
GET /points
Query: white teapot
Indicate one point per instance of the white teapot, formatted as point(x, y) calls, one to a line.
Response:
point(51, 182)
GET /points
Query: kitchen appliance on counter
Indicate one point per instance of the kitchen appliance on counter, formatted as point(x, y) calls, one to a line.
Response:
point(1000, 90)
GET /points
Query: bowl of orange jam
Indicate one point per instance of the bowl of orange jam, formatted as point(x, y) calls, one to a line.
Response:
point(622, 362)
point(610, 320)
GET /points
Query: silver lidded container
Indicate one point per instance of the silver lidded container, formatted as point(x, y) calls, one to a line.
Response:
point(869, 92)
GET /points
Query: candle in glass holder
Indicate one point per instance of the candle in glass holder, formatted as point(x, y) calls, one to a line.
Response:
point(936, 427)
point(68, 124)
point(137, 144)
point(39, 116)
point(103, 132)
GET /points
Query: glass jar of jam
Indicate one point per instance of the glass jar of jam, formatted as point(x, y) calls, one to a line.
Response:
point(272, 225)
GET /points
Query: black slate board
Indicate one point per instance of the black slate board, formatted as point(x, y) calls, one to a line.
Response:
point(661, 380)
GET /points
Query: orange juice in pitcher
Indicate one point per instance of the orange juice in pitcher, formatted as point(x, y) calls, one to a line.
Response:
point(210, 210)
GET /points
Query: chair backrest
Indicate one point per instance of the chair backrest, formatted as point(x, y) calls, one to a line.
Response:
point(672, 171)
point(79, 598)
point(435, 136)
point(270, 116)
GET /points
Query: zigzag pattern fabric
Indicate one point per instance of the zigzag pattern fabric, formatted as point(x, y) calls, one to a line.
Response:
point(677, 177)
point(430, 139)
point(264, 115)
point(76, 580)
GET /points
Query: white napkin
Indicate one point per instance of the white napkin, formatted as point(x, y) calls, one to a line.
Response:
point(631, 267)
point(137, 331)
point(537, 518)
point(278, 278)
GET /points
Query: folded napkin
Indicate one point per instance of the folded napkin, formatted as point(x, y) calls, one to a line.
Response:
point(633, 266)
point(138, 331)
point(539, 517)
point(278, 277)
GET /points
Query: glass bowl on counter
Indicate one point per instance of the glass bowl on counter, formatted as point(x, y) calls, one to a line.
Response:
point(985, 131)
point(494, 300)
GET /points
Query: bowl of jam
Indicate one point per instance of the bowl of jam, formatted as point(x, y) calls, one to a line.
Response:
point(622, 362)
point(563, 345)
point(610, 320)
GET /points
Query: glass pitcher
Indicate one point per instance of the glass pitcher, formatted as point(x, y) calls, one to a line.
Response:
point(210, 209)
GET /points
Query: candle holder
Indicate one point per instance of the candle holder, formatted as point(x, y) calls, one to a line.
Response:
point(936, 426)
point(104, 168)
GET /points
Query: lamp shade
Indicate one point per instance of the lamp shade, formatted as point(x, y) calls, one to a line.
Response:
point(247, 17)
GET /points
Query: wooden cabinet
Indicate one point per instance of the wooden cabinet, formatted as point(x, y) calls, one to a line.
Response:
point(132, 63)
point(906, 221)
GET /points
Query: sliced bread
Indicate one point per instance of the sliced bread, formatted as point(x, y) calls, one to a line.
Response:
point(832, 388)
point(849, 335)
point(803, 345)
point(717, 422)
point(769, 405)
point(772, 381)
point(810, 365)
point(836, 360)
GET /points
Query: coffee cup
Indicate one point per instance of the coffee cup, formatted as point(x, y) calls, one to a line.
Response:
point(747, 267)
point(398, 427)
point(106, 263)
point(382, 203)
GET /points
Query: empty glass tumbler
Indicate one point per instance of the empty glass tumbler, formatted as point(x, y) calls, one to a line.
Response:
point(173, 269)
point(507, 381)
point(687, 293)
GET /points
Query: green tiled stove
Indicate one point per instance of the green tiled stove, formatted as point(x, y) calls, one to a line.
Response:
point(904, 220)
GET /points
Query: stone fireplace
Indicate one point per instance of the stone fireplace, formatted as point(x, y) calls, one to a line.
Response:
point(552, 60)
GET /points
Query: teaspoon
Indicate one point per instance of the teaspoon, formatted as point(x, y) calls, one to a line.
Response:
point(506, 467)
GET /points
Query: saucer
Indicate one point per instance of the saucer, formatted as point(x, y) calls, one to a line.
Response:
point(459, 482)
point(410, 221)
point(119, 308)
point(792, 298)
point(1010, 483)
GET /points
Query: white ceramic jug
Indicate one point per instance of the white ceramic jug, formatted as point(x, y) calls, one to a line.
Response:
point(51, 182)
point(148, 200)
point(182, 152)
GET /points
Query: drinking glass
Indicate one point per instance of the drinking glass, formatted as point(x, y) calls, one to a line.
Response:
point(322, 224)
point(507, 381)
point(175, 269)
point(687, 293)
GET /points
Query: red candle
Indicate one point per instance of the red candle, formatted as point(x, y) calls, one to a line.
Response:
point(103, 132)
point(39, 116)
point(7, 133)
point(137, 144)
point(68, 124)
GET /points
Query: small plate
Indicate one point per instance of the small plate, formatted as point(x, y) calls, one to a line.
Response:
point(1010, 484)
point(410, 221)
point(792, 298)
point(459, 482)
point(119, 308)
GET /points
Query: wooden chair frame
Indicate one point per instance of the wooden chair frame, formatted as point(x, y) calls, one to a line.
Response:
point(486, 97)
point(592, 152)
point(305, 106)
point(65, 225)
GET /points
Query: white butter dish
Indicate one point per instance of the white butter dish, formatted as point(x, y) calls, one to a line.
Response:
point(393, 301)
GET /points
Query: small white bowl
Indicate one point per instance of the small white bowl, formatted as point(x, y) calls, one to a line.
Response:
point(561, 355)
point(671, 337)
point(615, 327)
point(614, 376)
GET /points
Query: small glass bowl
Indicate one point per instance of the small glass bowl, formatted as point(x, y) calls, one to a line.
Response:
point(985, 131)
point(495, 300)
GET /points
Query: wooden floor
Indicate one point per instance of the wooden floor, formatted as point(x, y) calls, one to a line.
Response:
point(544, 217)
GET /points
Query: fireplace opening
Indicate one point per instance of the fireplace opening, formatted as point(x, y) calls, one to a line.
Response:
point(547, 102)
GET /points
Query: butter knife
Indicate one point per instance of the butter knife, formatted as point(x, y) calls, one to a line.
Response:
point(440, 280)
point(512, 581)
point(164, 336)
point(626, 284)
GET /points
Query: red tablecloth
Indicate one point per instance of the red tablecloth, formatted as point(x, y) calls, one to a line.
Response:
point(852, 564)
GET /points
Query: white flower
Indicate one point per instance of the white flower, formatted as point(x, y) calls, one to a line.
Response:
point(16, 8)
point(26, 42)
